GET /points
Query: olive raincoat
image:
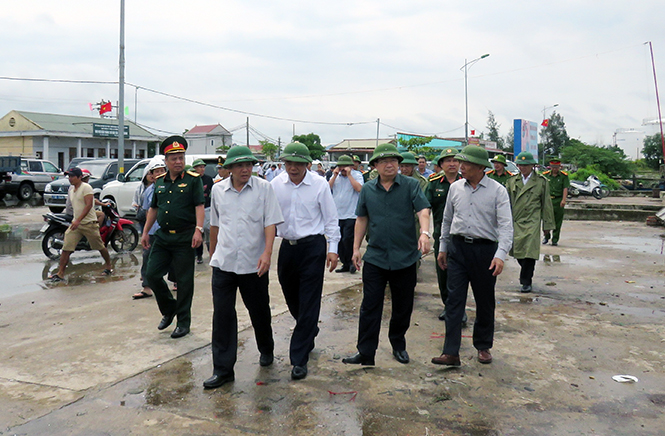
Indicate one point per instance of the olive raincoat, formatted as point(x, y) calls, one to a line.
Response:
point(530, 204)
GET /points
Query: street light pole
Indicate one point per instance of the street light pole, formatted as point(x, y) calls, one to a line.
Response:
point(544, 110)
point(466, 67)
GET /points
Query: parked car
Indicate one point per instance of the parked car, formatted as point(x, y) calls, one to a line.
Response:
point(102, 170)
point(35, 174)
point(122, 190)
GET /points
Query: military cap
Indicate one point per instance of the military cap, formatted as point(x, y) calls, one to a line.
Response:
point(296, 152)
point(555, 162)
point(220, 162)
point(239, 154)
point(173, 144)
point(198, 162)
point(409, 158)
point(385, 150)
point(356, 158)
point(448, 152)
point(344, 160)
point(525, 158)
point(500, 159)
point(474, 154)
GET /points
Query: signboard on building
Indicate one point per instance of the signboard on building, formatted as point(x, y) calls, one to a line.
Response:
point(526, 137)
point(107, 130)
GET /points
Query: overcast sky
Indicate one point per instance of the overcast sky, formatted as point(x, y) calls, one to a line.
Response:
point(342, 62)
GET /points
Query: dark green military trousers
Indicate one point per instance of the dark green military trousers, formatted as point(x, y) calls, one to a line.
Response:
point(558, 218)
point(173, 250)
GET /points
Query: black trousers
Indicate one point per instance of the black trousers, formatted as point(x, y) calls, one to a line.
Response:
point(254, 293)
point(345, 250)
point(300, 269)
point(469, 263)
point(526, 273)
point(402, 288)
point(173, 253)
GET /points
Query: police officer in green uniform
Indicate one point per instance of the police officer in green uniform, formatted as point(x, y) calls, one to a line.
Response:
point(437, 193)
point(500, 173)
point(559, 184)
point(178, 206)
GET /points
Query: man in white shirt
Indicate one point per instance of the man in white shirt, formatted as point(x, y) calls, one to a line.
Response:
point(244, 215)
point(310, 216)
point(346, 184)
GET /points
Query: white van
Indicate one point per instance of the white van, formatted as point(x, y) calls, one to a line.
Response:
point(122, 189)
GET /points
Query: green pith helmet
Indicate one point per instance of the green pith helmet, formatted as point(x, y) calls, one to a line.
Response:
point(296, 152)
point(409, 158)
point(344, 160)
point(357, 159)
point(188, 167)
point(238, 154)
point(474, 154)
point(198, 162)
point(525, 158)
point(385, 150)
point(499, 159)
point(448, 152)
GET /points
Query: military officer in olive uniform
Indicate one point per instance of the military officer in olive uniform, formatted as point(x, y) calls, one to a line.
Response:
point(407, 168)
point(559, 184)
point(529, 194)
point(437, 193)
point(178, 206)
point(500, 173)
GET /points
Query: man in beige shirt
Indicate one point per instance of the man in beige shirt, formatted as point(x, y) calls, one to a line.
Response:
point(84, 224)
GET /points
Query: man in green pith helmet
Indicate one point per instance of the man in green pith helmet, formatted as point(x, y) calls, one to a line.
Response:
point(500, 173)
point(178, 206)
point(437, 193)
point(559, 184)
point(408, 168)
point(529, 194)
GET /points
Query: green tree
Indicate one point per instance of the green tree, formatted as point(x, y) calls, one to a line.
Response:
point(510, 140)
point(493, 131)
point(606, 160)
point(269, 149)
point(554, 136)
point(313, 142)
point(418, 146)
point(653, 151)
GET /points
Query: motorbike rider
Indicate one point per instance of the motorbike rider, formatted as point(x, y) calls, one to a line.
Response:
point(84, 224)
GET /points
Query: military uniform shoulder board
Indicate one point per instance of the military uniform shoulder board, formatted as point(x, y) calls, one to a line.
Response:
point(161, 175)
point(547, 172)
point(564, 173)
point(492, 172)
point(434, 177)
point(509, 173)
point(217, 181)
point(193, 173)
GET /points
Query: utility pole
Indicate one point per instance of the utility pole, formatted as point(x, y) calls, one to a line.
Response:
point(121, 93)
point(660, 117)
point(378, 121)
point(247, 131)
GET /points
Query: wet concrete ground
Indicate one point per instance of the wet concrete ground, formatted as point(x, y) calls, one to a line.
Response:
point(84, 359)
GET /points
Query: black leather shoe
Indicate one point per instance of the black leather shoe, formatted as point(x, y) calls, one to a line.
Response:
point(266, 359)
point(358, 359)
point(554, 244)
point(343, 269)
point(299, 372)
point(526, 289)
point(352, 269)
point(179, 332)
point(401, 356)
point(217, 380)
point(165, 322)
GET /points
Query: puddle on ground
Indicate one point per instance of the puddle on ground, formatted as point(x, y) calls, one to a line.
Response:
point(638, 244)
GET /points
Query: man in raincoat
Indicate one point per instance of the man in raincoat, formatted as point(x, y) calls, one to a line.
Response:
point(529, 194)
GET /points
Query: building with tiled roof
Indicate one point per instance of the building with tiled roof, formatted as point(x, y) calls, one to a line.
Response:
point(208, 138)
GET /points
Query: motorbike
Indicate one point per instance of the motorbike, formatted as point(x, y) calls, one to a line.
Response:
point(119, 232)
point(591, 186)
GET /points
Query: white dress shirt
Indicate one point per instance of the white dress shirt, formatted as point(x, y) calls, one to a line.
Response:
point(346, 198)
point(242, 218)
point(308, 209)
point(483, 213)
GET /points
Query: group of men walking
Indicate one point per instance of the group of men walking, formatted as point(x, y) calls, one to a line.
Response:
point(317, 219)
